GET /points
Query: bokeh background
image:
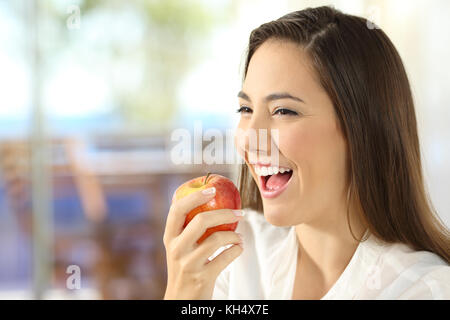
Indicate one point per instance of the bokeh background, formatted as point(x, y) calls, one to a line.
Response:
point(90, 92)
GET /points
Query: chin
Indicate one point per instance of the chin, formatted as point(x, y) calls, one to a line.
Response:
point(278, 217)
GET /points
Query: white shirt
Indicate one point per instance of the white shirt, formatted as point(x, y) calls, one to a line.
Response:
point(377, 270)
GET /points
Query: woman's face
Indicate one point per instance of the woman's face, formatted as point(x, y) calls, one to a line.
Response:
point(310, 142)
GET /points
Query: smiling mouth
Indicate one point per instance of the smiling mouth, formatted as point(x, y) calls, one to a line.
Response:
point(272, 185)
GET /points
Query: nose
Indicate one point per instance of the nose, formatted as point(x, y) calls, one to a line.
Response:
point(257, 142)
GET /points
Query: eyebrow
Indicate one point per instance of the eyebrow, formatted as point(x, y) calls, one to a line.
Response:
point(271, 97)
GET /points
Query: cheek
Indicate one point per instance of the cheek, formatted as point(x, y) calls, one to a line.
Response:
point(297, 142)
point(316, 145)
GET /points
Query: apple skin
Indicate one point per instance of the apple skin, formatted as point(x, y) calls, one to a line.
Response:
point(227, 197)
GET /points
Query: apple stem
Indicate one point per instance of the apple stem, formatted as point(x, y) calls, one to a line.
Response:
point(207, 176)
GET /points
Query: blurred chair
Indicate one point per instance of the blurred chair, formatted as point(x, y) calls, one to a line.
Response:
point(129, 257)
point(65, 161)
point(15, 171)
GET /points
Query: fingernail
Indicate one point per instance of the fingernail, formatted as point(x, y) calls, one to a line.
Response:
point(238, 213)
point(209, 191)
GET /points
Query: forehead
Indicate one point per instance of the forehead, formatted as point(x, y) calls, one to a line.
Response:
point(279, 66)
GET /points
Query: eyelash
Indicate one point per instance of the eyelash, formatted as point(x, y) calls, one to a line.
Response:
point(287, 112)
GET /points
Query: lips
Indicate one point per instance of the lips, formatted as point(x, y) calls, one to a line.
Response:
point(279, 183)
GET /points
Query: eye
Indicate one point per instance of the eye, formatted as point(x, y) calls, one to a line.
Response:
point(284, 111)
point(244, 109)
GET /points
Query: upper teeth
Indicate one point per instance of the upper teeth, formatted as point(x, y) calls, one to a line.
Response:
point(268, 171)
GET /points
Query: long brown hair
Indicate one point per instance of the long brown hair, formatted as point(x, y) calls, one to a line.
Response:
point(362, 72)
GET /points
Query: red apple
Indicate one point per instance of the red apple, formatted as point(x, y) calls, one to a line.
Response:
point(227, 197)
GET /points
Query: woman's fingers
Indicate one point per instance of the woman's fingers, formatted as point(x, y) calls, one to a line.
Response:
point(208, 219)
point(216, 266)
point(186, 260)
point(214, 242)
point(180, 208)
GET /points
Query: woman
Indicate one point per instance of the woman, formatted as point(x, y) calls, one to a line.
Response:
point(349, 218)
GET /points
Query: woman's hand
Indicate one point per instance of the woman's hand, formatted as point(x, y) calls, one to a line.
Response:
point(190, 274)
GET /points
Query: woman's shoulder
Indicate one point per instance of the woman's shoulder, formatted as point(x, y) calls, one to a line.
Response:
point(406, 256)
point(409, 274)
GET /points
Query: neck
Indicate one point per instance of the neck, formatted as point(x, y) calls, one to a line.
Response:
point(326, 247)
